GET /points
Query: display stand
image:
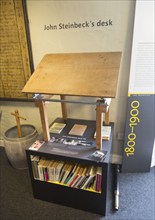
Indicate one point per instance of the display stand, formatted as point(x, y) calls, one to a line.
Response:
point(140, 127)
point(85, 75)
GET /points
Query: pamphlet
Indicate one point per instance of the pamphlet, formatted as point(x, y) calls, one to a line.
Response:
point(98, 156)
point(36, 145)
point(106, 131)
point(78, 130)
point(57, 127)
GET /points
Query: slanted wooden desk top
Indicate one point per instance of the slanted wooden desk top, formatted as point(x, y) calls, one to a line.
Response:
point(76, 74)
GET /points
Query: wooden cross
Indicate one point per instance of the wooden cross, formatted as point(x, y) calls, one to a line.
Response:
point(18, 117)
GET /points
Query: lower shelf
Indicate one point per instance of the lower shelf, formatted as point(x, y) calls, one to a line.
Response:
point(69, 174)
point(84, 200)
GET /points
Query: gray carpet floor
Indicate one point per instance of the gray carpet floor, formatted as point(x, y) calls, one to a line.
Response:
point(137, 198)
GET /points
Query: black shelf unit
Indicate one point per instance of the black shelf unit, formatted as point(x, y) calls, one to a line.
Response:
point(68, 196)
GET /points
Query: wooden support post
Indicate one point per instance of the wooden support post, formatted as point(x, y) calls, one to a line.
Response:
point(102, 107)
point(44, 119)
point(99, 110)
point(106, 121)
point(106, 110)
point(63, 107)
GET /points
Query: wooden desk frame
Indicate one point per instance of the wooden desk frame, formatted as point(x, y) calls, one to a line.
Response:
point(102, 106)
point(76, 74)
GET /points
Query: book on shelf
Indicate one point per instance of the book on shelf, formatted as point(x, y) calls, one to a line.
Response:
point(78, 176)
point(50, 170)
point(40, 169)
point(58, 170)
point(57, 127)
point(78, 130)
point(90, 176)
point(90, 183)
point(63, 171)
point(98, 179)
point(84, 177)
point(93, 185)
point(70, 175)
point(105, 132)
point(74, 176)
point(67, 172)
point(34, 162)
point(81, 178)
point(45, 170)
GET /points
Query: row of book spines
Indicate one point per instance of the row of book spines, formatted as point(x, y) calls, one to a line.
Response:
point(94, 185)
point(67, 174)
point(92, 182)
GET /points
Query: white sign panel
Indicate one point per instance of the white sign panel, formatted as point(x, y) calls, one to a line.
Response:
point(140, 130)
point(142, 75)
point(76, 26)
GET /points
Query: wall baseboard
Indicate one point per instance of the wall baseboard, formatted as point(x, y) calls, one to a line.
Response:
point(117, 159)
point(153, 156)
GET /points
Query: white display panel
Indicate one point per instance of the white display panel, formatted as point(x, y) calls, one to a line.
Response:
point(142, 77)
point(77, 26)
point(140, 122)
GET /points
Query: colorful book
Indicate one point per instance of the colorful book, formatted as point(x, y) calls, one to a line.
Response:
point(90, 176)
point(69, 177)
point(65, 167)
point(79, 175)
point(82, 177)
point(98, 179)
point(67, 172)
point(85, 177)
point(74, 177)
point(45, 170)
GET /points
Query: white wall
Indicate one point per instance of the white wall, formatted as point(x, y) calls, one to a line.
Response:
point(89, 39)
point(115, 38)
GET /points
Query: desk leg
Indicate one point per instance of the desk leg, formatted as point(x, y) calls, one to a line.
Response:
point(107, 117)
point(99, 127)
point(44, 120)
point(63, 107)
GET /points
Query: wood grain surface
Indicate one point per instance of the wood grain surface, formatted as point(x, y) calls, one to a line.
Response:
point(76, 74)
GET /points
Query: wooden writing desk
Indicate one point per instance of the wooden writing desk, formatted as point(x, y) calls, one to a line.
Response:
point(76, 74)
